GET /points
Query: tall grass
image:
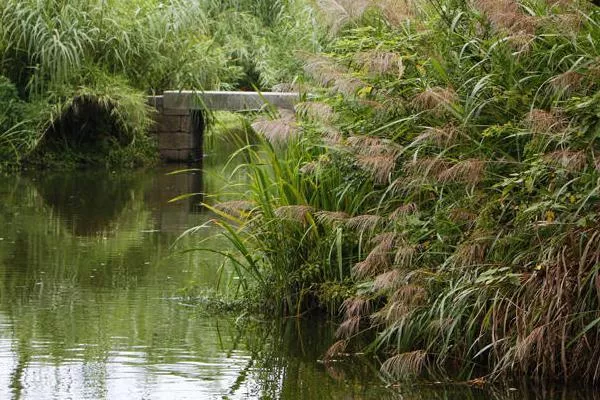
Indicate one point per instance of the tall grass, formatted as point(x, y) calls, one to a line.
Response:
point(449, 170)
point(52, 49)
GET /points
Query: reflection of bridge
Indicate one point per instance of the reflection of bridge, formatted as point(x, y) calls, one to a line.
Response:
point(179, 122)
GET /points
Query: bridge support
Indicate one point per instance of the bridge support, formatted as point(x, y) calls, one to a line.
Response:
point(180, 124)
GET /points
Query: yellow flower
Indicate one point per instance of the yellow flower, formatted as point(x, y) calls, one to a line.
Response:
point(550, 216)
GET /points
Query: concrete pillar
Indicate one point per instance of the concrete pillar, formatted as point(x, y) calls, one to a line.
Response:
point(177, 131)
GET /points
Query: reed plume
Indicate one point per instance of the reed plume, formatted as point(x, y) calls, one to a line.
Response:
point(505, 15)
point(542, 121)
point(379, 167)
point(315, 111)
point(405, 364)
point(335, 350)
point(348, 327)
point(442, 136)
point(404, 210)
point(436, 99)
point(298, 213)
point(387, 281)
point(340, 12)
point(570, 160)
point(277, 131)
point(466, 171)
point(397, 11)
point(378, 62)
point(363, 223)
point(567, 82)
point(331, 217)
point(356, 306)
point(237, 208)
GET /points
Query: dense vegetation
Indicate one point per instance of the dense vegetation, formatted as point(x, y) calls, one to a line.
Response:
point(439, 186)
point(64, 61)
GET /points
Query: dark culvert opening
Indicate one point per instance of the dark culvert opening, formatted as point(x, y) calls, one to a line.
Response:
point(85, 133)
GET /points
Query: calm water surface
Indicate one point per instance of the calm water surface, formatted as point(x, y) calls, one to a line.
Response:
point(91, 305)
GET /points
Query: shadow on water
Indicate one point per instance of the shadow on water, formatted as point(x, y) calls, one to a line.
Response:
point(90, 203)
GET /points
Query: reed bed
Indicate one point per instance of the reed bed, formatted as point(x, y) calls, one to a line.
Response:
point(440, 189)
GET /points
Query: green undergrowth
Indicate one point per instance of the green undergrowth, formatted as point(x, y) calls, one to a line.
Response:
point(82, 69)
point(438, 190)
point(210, 302)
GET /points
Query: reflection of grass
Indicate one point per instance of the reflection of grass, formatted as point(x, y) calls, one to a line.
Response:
point(60, 281)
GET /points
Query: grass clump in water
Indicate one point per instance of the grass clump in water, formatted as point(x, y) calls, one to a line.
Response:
point(445, 180)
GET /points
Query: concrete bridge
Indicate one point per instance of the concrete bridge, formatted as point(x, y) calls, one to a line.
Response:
point(180, 123)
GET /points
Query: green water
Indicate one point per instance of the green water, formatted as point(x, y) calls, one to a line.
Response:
point(91, 305)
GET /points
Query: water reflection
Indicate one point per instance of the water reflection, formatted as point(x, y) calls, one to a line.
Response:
point(88, 202)
point(92, 203)
point(89, 272)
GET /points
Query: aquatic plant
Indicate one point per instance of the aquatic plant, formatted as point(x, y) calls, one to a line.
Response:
point(454, 190)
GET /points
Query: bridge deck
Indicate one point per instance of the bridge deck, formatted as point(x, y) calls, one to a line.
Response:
point(227, 101)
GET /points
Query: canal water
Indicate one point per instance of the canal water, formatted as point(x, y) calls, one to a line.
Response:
point(95, 288)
